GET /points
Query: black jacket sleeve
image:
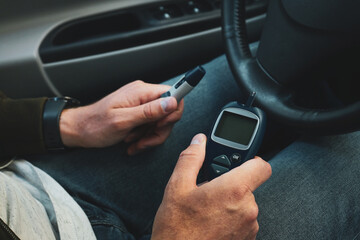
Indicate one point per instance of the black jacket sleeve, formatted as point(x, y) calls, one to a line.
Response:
point(21, 126)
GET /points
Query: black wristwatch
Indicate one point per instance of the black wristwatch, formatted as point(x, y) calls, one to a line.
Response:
point(51, 119)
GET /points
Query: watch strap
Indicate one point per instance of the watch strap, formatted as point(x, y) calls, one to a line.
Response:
point(51, 121)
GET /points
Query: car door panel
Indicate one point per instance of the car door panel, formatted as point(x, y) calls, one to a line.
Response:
point(157, 48)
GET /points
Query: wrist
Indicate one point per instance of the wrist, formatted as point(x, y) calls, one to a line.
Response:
point(70, 127)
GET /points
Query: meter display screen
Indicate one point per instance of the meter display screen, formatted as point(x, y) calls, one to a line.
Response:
point(236, 128)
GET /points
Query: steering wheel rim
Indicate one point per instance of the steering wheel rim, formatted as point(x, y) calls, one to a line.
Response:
point(275, 98)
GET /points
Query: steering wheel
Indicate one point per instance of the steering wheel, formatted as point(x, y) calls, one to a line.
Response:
point(297, 36)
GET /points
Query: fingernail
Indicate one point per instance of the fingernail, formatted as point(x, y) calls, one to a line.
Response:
point(166, 104)
point(198, 139)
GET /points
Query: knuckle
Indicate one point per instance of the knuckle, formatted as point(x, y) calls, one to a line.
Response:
point(268, 168)
point(238, 193)
point(148, 112)
point(252, 212)
point(138, 82)
point(256, 227)
point(189, 153)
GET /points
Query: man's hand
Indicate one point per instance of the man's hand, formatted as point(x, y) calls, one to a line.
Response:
point(134, 113)
point(223, 208)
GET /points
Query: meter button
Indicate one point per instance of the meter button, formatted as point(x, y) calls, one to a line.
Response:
point(236, 157)
point(222, 160)
point(218, 170)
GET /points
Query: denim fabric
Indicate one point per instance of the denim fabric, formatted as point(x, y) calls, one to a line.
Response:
point(105, 223)
point(313, 193)
point(110, 186)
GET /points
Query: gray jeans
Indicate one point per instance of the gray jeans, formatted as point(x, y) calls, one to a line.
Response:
point(313, 193)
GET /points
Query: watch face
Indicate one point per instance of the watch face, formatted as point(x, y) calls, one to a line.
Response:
point(70, 102)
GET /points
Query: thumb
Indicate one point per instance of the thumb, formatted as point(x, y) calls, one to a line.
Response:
point(189, 164)
point(153, 111)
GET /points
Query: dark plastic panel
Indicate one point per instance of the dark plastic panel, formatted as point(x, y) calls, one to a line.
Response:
point(98, 27)
point(134, 27)
point(90, 78)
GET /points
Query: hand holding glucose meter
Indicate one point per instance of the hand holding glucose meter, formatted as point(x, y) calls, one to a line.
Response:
point(235, 137)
